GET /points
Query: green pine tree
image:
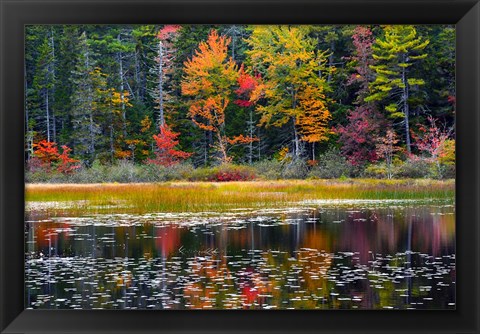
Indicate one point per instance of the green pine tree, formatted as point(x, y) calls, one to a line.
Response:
point(395, 53)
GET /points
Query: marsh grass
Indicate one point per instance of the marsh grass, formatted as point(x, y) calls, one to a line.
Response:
point(84, 199)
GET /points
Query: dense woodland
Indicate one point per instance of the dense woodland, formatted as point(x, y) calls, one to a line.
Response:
point(322, 101)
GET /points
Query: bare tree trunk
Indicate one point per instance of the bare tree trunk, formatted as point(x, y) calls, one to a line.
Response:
point(160, 83)
point(47, 114)
point(295, 132)
point(296, 140)
point(91, 146)
point(122, 89)
point(330, 61)
point(223, 146)
point(205, 146)
point(54, 127)
point(29, 138)
point(137, 75)
point(319, 62)
point(259, 146)
point(92, 137)
point(250, 146)
point(112, 147)
point(406, 110)
point(233, 47)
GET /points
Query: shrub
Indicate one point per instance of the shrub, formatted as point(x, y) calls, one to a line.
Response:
point(228, 172)
point(159, 173)
point(413, 168)
point(332, 165)
point(295, 169)
point(40, 176)
point(201, 174)
point(269, 169)
point(377, 171)
point(222, 173)
point(97, 173)
point(123, 172)
point(448, 171)
point(154, 173)
point(447, 159)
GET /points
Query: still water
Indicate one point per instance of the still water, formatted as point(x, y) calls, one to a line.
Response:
point(344, 256)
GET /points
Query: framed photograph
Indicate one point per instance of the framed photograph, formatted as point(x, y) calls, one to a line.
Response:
point(239, 166)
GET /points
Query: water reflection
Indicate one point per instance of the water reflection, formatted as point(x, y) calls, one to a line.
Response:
point(330, 258)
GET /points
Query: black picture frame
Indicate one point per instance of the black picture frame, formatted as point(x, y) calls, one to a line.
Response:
point(465, 14)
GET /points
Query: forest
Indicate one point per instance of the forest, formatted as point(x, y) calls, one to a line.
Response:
point(152, 103)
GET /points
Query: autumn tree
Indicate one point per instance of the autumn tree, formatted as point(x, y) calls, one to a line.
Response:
point(396, 53)
point(433, 140)
point(362, 60)
point(293, 90)
point(46, 157)
point(313, 121)
point(101, 85)
point(166, 153)
point(163, 69)
point(359, 136)
point(247, 83)
point(210, 76)
point(386, 148)
point(67, 164)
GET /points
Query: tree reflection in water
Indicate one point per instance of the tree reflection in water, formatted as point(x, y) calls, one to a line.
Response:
point(330, 258)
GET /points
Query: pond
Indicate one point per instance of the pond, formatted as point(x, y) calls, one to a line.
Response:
point(351, 255)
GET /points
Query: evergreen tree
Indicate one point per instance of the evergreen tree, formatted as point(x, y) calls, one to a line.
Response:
point(44, 81)
point(82, 97)
point(395, 53)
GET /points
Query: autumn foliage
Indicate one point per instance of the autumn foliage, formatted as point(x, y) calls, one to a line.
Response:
point(431, 139)
point(209, 78)
point(287, 100)
point(228, 173)
point(247, 84)
point(360, 134)
point(313, 122)
point(166, 154)
point(386, 148)
point(47, 157)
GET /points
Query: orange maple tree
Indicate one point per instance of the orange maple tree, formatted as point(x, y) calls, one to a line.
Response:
point(209, 78)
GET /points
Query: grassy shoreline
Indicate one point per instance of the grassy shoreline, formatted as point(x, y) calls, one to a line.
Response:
point(80, 199)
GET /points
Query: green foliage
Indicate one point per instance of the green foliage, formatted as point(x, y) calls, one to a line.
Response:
point(418, 168)
point(295, 169)
point(269, 169)
point(376, 171)
point(395, 53)
point(223, 173)
point(332, 165)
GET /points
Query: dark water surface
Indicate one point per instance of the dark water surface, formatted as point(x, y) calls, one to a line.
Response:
point(353, 256)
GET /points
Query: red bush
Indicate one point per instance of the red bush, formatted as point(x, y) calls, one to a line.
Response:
point(232, 174)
